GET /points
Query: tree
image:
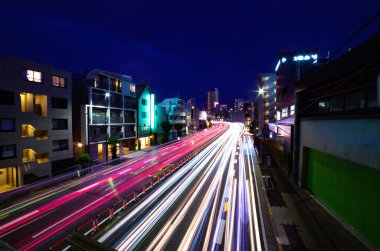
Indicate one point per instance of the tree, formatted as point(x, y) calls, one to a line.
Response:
point(178, 127)
point(84, 160)
point(208, 123)
point(166, 127)
point(113, 141)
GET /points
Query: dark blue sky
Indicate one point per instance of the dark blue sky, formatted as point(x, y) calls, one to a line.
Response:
point(183, 48)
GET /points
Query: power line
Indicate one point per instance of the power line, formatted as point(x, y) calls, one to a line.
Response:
point(314, 18)
point(369, 21)
point(286, 37)
point(272, 35)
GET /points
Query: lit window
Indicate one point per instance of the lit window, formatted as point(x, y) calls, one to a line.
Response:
point(323, 106)
point(292, 110)
point(34, 76)
point(278, 116)
point(284, 113)
point(58, 81)
point(132, 88)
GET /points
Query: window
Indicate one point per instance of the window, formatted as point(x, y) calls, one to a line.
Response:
point(58, 81)
point(284, 113)
point(278, 116)
point(144, 115)
point(373, 96)
point(60, 145)
point(323, 106)
point(7, 125)
point(132, 88)
point(337, 103)
point(59, 103)
point(7, 151)
point(7, 98)
point(34, 76)
point(143, 102)
point(355, 100)
point(292, 110)
point(59, 124)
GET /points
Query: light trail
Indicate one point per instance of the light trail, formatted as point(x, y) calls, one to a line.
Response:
point(70, 217)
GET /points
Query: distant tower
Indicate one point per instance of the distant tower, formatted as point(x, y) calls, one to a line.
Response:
point(212, 101)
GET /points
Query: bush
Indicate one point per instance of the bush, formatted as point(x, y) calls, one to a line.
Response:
point(84, 160)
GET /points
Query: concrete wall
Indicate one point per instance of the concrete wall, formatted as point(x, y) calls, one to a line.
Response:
point(355, 140)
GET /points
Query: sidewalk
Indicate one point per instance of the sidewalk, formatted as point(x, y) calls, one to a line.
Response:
point(300, 220)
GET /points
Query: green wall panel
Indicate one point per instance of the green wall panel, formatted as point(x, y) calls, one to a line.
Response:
point(350, 189)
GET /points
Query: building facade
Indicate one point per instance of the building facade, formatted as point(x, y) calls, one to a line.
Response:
point(291, 67)
point(35, 121)
point(267, 82)
point(150, 117)
point(104, 105)
point(178, 112)
point(338, 148)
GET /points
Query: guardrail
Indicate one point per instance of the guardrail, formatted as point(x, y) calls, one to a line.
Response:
point(108, 215)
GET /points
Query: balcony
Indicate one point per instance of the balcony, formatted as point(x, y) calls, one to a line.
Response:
point(177, 113)
point(97, 138)
point(98, 120)
point(177, 121)
point(116, 120)
point(29, 155)
point(115, 85)
point(130, 134)
point(119, 135)
point(129, 120)
point(35, 103)
point(29, 131)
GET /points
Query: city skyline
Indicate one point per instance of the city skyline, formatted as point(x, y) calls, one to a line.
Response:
point(189, 45)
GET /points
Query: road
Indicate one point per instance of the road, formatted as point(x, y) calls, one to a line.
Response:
point(209, 204)
point(38, 222)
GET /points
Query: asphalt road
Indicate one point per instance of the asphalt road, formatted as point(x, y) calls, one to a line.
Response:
point(38, 222)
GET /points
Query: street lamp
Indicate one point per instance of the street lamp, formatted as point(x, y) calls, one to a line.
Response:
point(261, 92)
point(105, 122)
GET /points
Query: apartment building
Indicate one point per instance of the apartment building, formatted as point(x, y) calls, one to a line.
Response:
point(104, 105)
point(150, 117)
point(178, 112)
point(35, 121)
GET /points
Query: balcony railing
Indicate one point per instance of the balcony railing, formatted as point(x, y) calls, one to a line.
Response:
point(97, 138)
point(100, 120)
point(120, 135)
point(116, 120)
point(130, 134)
point(41, 134)
point(129, 120)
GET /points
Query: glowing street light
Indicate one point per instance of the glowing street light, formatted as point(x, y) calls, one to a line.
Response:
point(261, 91)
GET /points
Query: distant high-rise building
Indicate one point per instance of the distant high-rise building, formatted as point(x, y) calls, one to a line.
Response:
point(212, 101)
point(238, 104)
point(267, 82)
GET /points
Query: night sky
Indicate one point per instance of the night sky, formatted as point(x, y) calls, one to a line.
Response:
point(182, 48)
